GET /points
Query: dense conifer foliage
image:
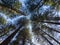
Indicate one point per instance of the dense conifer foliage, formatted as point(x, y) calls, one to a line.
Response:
point(30, 22)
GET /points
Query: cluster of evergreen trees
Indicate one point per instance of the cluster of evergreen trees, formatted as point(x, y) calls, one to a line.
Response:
point(42, 16)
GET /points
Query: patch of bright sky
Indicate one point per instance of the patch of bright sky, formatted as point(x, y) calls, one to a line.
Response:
point(5, 17)
point(22, 1)
point(44, 8)
point(9, 20)
point(57, 13)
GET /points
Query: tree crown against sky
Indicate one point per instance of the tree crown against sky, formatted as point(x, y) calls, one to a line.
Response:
point(37, 12)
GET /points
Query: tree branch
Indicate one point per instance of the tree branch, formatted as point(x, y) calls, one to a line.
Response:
point(50, 36)
point(52, 29)
point(46, 39)
point(38, 5)
point(8, 39)
point(12, 9)
point(58, 23)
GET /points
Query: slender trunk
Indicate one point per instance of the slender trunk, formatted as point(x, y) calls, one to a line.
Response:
point(23, 41)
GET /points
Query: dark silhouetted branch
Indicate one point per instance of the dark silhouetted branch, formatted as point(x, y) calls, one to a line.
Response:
point(8, 39)
point(38, 5)
point(46, 39)
point(52, 29)
point(58, 23)
point(52, 18)
point(50, 36)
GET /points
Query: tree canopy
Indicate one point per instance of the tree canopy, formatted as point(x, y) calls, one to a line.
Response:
point(31, 22)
